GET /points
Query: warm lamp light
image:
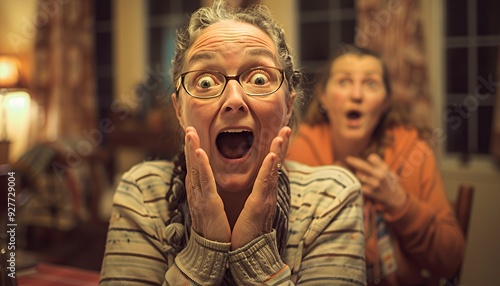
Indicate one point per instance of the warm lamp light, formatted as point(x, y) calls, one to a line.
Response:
point(14, 108)
point(9, 72)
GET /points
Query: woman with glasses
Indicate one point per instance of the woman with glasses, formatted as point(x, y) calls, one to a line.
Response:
point(410, 229)
point(229, 210)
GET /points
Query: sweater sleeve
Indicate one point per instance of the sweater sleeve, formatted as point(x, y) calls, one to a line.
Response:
point(426, 227)
point(133, 254)
point(326, 244)
point(333, 248)
point(259, 263)
point(138, 246)
point(202, 262)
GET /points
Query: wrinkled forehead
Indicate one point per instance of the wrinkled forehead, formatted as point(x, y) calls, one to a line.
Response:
point(229, 39)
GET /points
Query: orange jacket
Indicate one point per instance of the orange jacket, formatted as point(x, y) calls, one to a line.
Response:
point(425, 233)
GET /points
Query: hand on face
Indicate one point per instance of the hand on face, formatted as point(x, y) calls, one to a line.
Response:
point(379, 183)
point(206, 206)
point(257, 215)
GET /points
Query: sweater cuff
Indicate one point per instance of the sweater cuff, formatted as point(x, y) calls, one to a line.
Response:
point(414, 217)
point(258, 262)
point(203, 261)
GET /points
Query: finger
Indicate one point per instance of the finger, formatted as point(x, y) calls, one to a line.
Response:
point(359, 164)
point(367, 191)
point(368, 180)
point(208, 187)
point(285, 133)
point(264, 196)
point(279, 145)
point(375, 159)
point(192, 143)
point(267, 178)
point(380, 168)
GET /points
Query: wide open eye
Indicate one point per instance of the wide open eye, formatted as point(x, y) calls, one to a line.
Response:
point(343, 81)
point(373, 84)
point(205, 82)
point(259, 78)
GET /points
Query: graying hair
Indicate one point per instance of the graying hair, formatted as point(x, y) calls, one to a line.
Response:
point(257, 15)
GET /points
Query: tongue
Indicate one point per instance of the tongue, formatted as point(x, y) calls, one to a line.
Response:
point(234, 145)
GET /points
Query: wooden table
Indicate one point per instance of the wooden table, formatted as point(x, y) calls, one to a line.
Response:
point(45, 274)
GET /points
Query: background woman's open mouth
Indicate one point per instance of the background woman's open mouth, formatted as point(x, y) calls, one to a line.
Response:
point(234, 144)
point(353, 115)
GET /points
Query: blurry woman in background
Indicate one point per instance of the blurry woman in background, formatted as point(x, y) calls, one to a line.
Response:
point(409, 225)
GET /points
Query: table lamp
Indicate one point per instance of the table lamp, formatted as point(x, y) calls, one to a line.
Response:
point(14, 106)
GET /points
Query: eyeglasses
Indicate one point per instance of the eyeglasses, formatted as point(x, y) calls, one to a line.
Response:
point(257, 81)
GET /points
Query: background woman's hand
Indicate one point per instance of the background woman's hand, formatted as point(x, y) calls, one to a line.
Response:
point(205, 205)
point(257, 215)
point(379, 183)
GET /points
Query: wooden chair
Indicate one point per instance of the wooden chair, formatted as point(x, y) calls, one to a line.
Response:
point(462, 207)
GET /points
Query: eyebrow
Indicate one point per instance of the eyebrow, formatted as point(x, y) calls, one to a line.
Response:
point(261, 52)
point(201, 56)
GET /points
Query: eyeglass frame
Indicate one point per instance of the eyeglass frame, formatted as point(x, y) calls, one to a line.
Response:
point(180, 81)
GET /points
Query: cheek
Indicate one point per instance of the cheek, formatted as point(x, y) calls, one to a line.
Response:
point(377, 108)
point(335, 100)
point(198, 113)
point(271, 114)
point(273, 120)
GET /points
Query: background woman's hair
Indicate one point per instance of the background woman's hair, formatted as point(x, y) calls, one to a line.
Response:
point(395, 115)
point(257, 15)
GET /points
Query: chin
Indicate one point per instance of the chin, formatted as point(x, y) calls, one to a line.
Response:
point(234, 182)
point(354, 134)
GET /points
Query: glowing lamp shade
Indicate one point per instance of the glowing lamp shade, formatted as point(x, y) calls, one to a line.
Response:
point(9, 72)
point(16, 107)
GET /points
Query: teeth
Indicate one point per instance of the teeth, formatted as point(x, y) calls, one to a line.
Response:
point(236, 130)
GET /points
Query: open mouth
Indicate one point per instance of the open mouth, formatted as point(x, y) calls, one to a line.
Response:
point(234, 144)
point(353, 115)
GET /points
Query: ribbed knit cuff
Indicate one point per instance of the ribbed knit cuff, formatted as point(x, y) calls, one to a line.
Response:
point(258, 261)
point(203, 261)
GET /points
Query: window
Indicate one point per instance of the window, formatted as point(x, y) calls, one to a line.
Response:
point(324, 26)
point(165, 17)
point(472, 46)
point(103, 50)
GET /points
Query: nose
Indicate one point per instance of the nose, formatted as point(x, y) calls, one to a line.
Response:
point(234, 97)
point(357, 92)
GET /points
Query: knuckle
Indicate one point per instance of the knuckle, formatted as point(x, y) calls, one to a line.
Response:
point(193, 172)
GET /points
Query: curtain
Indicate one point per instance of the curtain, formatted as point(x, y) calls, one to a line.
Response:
point(59, 170)
point(63, 78)
point(395, 29)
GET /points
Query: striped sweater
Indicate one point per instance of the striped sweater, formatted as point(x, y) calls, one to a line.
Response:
point(325, 244)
